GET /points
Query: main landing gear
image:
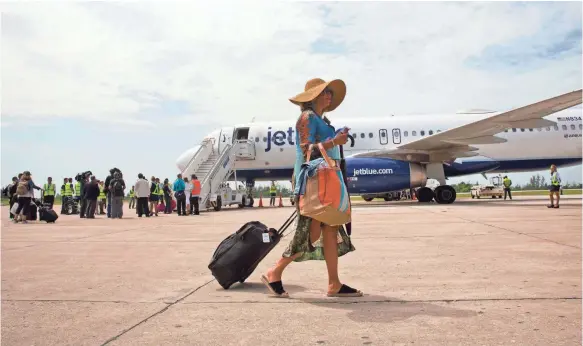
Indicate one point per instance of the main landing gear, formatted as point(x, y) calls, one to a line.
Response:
point(443, 194)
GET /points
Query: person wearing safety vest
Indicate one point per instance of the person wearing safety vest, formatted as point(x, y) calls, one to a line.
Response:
point(153, 197)
point(555, 186)
point(48, 193)
point(272, 193)
point(194, 195)
point(132, 198)
point(102, 198)
point(160, 193)
point(507, 183)
point(66, 195)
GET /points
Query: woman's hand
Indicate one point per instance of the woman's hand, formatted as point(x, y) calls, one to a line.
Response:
point(341, 138)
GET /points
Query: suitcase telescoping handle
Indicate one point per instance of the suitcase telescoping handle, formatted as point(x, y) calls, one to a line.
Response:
point(287, 223)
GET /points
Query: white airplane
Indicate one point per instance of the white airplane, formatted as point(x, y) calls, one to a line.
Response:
point(401, 152)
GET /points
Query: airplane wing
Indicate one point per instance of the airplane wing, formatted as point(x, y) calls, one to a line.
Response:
point(457, 142)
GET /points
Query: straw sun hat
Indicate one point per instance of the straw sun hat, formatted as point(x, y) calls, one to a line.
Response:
point(314, 87)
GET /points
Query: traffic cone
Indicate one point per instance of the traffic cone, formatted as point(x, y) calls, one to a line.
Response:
point(280, 201)
point(260, 201)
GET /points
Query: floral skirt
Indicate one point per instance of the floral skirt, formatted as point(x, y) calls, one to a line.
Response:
point(301, 242)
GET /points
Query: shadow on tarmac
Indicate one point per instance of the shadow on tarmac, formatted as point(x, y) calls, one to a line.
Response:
point(382, 309)
point(369, 308)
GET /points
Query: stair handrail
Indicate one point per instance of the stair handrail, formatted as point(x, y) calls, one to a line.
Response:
point(203, 144)
point(213, 172)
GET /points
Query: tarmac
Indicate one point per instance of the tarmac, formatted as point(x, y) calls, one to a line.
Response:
point(477, 272)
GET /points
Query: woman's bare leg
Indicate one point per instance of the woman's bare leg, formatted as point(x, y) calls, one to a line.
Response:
point(275, 273)
point(330, 243)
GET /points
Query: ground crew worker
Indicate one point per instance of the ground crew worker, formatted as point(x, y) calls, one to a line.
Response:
point(66, 195)
point(132, 198)
point(555, 186)
point(154, 195)
point(272, 193)
point(507, 183)
point(102, 198)
point(78, 192)
point(194, 195)
point(48, 193)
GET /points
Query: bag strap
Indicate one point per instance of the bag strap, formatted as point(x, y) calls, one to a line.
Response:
point(322, 151)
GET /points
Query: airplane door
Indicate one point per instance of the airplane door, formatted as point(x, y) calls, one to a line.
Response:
point(397, 136)
point(383, 136)
point(225, 137)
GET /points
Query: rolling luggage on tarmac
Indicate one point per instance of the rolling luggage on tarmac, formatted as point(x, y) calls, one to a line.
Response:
point(48, 215)
point(238, 255)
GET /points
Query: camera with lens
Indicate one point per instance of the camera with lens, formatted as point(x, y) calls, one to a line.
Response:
point(83, 176)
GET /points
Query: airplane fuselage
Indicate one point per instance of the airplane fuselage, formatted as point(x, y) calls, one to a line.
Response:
point(525, 149)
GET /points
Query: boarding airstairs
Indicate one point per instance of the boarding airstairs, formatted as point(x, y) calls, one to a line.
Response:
point(213, 169)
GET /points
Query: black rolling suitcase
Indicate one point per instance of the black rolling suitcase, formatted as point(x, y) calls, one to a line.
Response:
point(238, 255)
point(48, 215)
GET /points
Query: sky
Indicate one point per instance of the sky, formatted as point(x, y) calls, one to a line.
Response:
point(96, 85)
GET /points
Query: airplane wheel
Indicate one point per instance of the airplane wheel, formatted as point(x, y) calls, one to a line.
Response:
point(251, 201)
point(242, 204)
point(219, 204)
point(425, 195)
point(368, 199)
point(445, 194)
point(388, 198)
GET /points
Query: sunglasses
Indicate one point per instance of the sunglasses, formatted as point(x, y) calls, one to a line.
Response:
point(328, 91)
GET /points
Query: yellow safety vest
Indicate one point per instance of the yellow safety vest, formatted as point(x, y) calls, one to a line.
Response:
point(49, 189)
point(68, 191)
point(78, 188)
point(156, 189)
point(160, 190)
point(273, 189)
point(101, 193)
point(507, 182)
point(554, 180)
point(132, 193)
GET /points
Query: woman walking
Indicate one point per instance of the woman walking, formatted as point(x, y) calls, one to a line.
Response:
point(314, 240)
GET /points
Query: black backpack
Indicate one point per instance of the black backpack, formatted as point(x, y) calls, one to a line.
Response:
point(117, 187)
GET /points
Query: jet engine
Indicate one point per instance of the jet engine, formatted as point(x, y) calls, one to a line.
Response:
point(378, 175)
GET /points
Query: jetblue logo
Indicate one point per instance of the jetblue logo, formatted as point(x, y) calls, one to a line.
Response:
point(281, 138)
point(369, 171)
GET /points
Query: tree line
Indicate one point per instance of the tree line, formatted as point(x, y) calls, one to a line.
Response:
point(536, 182)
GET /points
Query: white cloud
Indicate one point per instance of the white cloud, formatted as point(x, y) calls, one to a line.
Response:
point(234, 61)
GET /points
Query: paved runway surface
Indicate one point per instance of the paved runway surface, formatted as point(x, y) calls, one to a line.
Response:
point(473, 273)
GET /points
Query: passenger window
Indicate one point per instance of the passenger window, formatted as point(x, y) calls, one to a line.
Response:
point(265, 139)
point(370, 135)
point(506, 130)
point(406, 134)
point(438, 131)
point(521, 130)
point(530, 130)
point(422, 133)
point(513, 130)
point(564, 127)
point(256, 139)
point(362, 135)
point(556, 127)
point(413, 133)
point(430, 132)
point(572, 126)
point(383, 134)
point(539, 129)
point(580, 126)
